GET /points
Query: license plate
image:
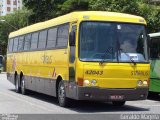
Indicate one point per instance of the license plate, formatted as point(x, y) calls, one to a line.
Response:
point(116, 97)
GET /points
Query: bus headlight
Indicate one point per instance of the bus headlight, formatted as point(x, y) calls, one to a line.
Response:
point(139, 83)
point(145, 83)
point(86, 83)
point(93, 82)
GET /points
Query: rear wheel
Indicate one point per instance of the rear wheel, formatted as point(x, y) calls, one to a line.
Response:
point(62, 99)
point(118, 103)
point(17, 87)
point(23, 88)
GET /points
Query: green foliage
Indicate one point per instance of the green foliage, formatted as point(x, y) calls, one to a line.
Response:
point(73, 5)
point(47, 9)
point(151, 12)
point(126, 6)
point(42, 9)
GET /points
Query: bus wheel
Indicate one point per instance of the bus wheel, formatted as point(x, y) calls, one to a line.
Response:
point(23, 88)
point(17, 87)
point(153, 94)
point(118, 103)
point(62, 99)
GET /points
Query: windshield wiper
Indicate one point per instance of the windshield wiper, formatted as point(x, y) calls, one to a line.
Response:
point(128, 56)
point(109, 50)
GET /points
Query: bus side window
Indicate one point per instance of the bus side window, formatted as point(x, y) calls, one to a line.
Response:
point(15, 45)
point(10, 45)
point(27, 42)
point(52, 36)
point(42, 39)
point(34, 40)
point(63, 33)
point(155, 48)
point(21, 43)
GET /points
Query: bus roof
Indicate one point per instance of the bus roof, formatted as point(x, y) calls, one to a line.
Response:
point(78, 16)
point(155, 35)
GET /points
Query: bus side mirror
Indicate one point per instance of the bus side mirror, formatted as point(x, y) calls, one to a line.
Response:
point(72, 38)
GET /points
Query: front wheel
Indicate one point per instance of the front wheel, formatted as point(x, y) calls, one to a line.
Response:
point(62, 99)
point(17, 87)
point(118, 103)
point(23, 88)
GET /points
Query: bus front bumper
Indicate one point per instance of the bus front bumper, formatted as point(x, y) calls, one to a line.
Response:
point(99, 94)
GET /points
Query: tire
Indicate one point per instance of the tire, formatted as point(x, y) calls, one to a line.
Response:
point(153, 94)
point(118, 103)
point(17, 87)
point(23, 88)
point(62, 99)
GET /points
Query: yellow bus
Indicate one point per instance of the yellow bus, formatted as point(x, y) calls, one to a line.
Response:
point(89, 55)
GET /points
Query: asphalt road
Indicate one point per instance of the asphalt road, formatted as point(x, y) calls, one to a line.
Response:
point(35, 103)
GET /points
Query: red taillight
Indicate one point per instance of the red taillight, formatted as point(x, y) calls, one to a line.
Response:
point(80, 81)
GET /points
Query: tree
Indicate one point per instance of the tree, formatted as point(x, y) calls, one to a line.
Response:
point(73, 5)
point(151, 12)
point(42, 9)
point(125, 6)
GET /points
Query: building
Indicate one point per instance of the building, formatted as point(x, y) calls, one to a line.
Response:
point(9, 6)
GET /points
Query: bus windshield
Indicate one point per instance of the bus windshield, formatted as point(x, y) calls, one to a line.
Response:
point(113, 42)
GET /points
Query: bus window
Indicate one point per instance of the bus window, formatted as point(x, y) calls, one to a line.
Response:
point(10, 45)
point(27, 42)
point(15, 45)
point(52, 36)
point(155, 48)
point(34, 41)
point(96, 40)
point(63, 32)
point(42, 39)
point(20, 44)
